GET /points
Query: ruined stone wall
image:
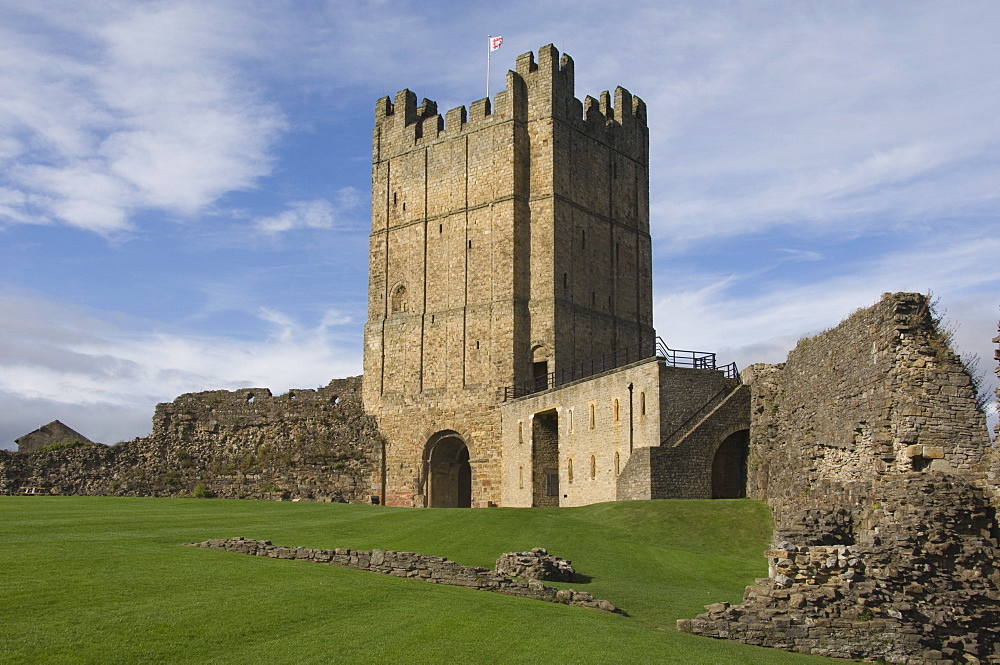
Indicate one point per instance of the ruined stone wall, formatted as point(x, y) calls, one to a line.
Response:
point(867, 444)
point(913, 580)
point(881, 393)
point(307, 444)
point(434, 569)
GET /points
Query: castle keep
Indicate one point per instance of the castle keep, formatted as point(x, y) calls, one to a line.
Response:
point(510, 254)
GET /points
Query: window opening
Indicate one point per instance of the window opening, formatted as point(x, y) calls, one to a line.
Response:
point(617, 411)
point(551, 483)
point(593, 419)
point(618, 468)
point(399, 299)
point(593, 467)
point(569, 469)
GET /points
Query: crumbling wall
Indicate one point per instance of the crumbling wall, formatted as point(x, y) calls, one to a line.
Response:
point(435, 569)
point(868, 445)
point(881, 393)
point(915, 581)
point(305, 444)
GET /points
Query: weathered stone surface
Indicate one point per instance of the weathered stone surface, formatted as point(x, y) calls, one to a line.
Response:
point(860, 401)
point(868, 446)
point(314, 445)
point(537, 564)
point(438, 570)
point(507, 239)
point(916, 583)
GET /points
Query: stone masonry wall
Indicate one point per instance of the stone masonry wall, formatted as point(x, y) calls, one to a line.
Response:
point(434, 569)
point(307, 444)
point(869, 448)
point(589, 428)
point(682, 466)
point(914, 581)
point(880, 393)
point(510, 233)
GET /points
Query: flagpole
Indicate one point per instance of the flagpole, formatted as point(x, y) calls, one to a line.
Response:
point(489, 52)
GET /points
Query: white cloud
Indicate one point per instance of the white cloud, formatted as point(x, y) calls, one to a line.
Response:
point(315, 214)
point(68, 359)
point(141, 108)
point(717, 313)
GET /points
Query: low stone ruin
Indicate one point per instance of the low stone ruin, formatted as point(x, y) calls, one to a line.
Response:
point(537, 564)
point(914, 582)
point(434, 569)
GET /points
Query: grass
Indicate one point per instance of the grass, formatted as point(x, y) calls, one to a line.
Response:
point(98, 580)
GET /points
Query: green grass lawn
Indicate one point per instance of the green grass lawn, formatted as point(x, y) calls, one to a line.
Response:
point(108, 580)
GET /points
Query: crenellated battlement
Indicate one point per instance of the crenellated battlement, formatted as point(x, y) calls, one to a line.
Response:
point(535, 88)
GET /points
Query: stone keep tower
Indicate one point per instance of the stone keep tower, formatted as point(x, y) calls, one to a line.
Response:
point(507, 242)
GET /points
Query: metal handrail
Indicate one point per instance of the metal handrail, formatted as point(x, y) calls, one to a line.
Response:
point(619, 358)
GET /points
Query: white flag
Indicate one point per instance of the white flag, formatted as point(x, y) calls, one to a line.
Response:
point(495, 43)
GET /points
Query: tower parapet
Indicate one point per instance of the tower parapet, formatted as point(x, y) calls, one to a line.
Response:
point(534, 89)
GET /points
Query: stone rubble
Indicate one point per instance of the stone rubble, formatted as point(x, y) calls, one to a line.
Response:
point(434, 569)
point(537, 564)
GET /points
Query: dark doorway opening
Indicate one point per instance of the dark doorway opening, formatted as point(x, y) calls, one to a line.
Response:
point(449, 474)
point(729, 468)
point(540, 375)
point(545, 459)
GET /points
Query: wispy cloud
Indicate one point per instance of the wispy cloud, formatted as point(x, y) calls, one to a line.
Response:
point(146, 107)
point(68, 357)
point(315, 214)
point(749, 319)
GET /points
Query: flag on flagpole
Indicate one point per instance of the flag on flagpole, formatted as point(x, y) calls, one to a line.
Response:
point(495, 43)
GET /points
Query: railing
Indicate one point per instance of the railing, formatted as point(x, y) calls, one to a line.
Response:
point(619, 358)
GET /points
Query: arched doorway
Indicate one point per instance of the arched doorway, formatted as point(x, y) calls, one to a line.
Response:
point(449, 475)
point(729, 467)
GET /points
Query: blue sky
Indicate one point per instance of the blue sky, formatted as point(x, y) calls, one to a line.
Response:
point(184, 186)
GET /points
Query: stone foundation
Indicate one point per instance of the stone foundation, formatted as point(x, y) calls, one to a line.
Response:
point(434, 569)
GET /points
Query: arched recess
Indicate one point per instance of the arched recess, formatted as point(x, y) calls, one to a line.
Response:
point(540, 367)
point(729, 466)
point(449, 474)
point(397, 301)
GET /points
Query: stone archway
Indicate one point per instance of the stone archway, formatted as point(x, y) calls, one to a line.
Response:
point(729, 466)
point(449, 474)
